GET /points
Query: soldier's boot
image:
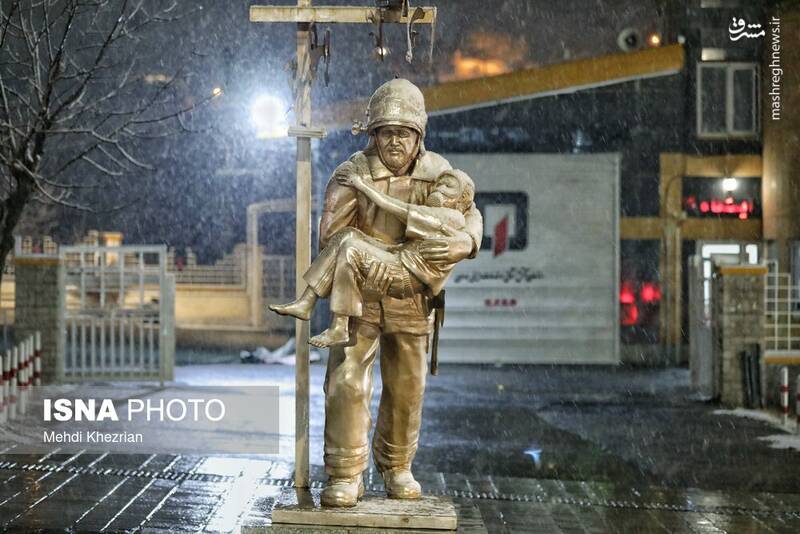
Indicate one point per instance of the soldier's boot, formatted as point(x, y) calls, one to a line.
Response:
point(342, 492)
point(400, 484)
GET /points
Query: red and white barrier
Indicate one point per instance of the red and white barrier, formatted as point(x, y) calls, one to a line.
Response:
point(23, 362)
point(797, 405)
point(7, 376)
point(12, 377)
point(28, 367)
point(785, 394)
point(37, 360)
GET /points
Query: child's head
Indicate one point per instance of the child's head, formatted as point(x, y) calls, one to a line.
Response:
point(452, 189)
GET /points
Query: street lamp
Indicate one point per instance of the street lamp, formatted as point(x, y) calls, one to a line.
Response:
point(269, 117)
point(729, 184)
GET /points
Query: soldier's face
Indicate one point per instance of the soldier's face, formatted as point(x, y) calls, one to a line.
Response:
point(397, 145)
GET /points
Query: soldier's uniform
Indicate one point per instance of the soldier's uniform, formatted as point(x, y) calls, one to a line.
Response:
point(400, 327)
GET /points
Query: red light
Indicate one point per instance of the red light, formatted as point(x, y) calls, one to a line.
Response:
point(649, 293)
point(704, 207)
point(626, 295)
point(630, 315)
point(728, 200)
point(743, 215)
point(745, 206)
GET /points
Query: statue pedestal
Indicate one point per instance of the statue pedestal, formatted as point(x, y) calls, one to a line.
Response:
point(300, 512)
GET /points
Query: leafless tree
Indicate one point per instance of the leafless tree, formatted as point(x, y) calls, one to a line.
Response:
point(78, 103)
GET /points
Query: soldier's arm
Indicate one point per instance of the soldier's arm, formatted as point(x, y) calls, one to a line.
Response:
point(340, 207)
point(474, 227)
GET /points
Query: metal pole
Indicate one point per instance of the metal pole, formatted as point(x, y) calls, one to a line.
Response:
point(302, 106)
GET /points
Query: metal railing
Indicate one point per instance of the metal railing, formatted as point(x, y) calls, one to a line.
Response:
point(229, 270)
point(118, 313)
point(781, 311)
point(279, 278)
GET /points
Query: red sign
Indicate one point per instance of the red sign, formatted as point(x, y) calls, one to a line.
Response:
point(501, 236)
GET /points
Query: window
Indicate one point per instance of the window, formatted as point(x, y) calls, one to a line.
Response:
point(727, 105)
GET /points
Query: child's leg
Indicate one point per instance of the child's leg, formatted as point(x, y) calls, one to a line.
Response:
point(338, 333)
point(300, 308)
point(352, 265)
point(319, 278)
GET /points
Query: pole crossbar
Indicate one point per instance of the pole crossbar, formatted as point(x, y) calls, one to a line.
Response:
point(337, 15)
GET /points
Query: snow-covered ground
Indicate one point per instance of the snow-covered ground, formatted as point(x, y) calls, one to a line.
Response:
point(789, 439)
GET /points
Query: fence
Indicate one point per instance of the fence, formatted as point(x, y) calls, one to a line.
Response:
point(782, 310)
point(118, 313)
point(229, 270)
point(279, 278)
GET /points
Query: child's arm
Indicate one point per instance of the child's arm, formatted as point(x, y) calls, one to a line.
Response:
point(396, 207)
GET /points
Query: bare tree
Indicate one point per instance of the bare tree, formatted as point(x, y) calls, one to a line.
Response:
point(78, 104)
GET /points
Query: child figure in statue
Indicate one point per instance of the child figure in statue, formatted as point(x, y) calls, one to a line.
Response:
point(340, 269)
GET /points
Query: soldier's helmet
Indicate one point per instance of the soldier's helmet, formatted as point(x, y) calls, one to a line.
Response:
point(397, 102)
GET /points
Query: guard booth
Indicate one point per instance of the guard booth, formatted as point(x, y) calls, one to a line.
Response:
point(118, 313)
point(544, 287)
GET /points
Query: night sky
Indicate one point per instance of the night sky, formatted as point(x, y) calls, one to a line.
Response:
point(203, 181)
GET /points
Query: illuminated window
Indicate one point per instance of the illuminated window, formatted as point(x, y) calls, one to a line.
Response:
point(727, 105)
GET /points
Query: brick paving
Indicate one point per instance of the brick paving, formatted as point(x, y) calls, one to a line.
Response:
point(171, 493)
point(633, 453)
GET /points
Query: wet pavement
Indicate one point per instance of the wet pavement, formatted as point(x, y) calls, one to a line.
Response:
point(535, 449)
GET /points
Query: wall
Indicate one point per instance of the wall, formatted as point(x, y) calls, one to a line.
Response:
point(38, 303)
point(738, 321)
point(781, 180)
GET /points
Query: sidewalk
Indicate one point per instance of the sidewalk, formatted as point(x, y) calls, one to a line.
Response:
point(215, 494)
point(534, 449)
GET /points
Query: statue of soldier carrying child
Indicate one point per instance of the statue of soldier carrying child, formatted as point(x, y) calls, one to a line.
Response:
point(396, 220)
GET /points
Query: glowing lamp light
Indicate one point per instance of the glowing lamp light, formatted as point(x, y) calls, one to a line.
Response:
point(217, 91)
point(630, 315)
point(650, 293)
point(654, 39)
point(626, 295)
point(379, 53)
point(269, 117)
point(729, 184)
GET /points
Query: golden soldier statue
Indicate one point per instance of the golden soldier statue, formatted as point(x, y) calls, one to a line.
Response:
point(396, 165)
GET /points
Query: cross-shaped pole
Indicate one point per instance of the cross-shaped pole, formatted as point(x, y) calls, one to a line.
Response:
point(393, 11)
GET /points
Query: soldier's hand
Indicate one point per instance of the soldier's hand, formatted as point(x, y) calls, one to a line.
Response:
point(345, 179)
point(377, 282)
point(447, 250)
point(350, 180)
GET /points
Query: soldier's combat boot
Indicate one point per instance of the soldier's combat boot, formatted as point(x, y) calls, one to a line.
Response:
point(400, 484)
point(342, 492)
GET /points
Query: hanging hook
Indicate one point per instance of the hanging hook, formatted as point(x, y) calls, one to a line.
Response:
point(326, 47)
point(411, 35)
point(318, 52)
point(380, 51)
